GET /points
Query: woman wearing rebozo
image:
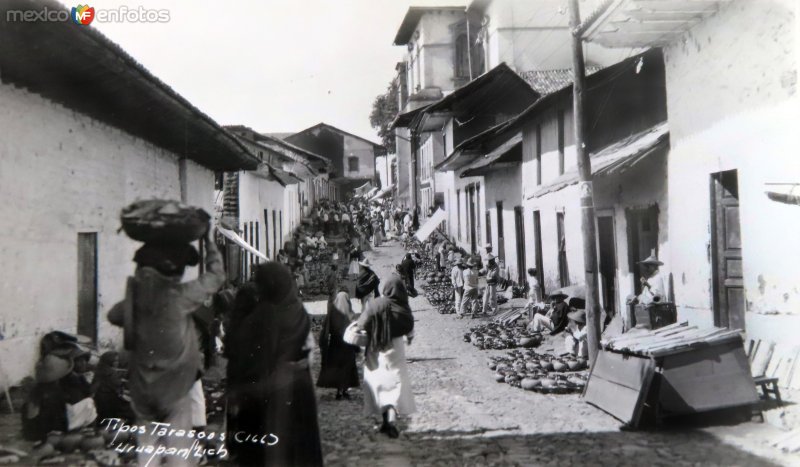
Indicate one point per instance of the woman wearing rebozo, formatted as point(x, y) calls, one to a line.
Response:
point(388, 325)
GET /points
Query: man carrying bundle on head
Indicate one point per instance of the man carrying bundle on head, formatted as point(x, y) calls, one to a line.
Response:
point(157, 315)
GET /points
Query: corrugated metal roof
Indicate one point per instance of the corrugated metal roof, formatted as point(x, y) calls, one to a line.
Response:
point(475, 168)
point(615, 158)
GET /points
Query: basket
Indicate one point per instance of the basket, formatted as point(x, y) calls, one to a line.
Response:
point(164, 221)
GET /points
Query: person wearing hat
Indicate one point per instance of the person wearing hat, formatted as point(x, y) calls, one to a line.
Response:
point(492, 278)
point(654, 283)
point(556, 319)
point(367, 283)
point(470, 275)
point(457, 279)
point(575, 334)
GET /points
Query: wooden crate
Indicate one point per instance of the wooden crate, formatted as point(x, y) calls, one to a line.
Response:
point(693, 379)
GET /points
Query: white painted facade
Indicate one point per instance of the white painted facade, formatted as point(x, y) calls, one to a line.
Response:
point(533, 35)
point(733, 104)
point(61, 174)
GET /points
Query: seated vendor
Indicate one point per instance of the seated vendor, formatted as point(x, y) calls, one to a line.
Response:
point(556, 319)
point(575, 334)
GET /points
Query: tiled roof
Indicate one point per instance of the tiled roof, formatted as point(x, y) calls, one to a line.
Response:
point(549, 81)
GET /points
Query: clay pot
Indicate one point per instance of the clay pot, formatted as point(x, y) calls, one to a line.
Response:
point(532, 366)
point(573, 365)
point(559, 366)
point(91, 443)
point(529, 384)
point(42, 449)
point(499, 377)
point(54, 438)
point(547, 366)
point(70, 442)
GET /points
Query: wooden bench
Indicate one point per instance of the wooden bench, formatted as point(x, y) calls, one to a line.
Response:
point(768, 386)
point(759, 353)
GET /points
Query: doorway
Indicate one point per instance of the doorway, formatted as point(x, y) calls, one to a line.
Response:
point(726, 249)
point(473, 241)
point(607, 257)
point(87, 285)
point(537, 244)
point(519, 226)
point(501, 242)
point(642, 240)
point(563, 269)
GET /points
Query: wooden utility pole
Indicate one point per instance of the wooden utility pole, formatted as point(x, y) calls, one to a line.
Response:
point(585, 185)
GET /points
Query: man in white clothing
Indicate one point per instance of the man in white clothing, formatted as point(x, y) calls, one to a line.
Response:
point(654, 282)
point(457, 279)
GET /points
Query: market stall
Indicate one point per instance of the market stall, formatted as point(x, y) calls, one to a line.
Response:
point(675, 370)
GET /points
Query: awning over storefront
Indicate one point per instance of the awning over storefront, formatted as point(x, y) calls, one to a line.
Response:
point(427, 228)
point(235, 238)
point(361, 190)
point(616, 158)
point(383, 193)
point(509, 152)
point(645, 23)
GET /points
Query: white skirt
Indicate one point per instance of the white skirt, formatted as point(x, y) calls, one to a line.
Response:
point(386, 381)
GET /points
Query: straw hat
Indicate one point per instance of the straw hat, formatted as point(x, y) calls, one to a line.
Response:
point(578, 316)
point(490, 257)
point(488, 246)
point(471, 263)
point(651, 260)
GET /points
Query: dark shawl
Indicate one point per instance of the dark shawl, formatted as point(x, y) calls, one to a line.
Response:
point(274, 392)
point(407, 266)
point(338, 365)
point(368, 283)
point(387, 317)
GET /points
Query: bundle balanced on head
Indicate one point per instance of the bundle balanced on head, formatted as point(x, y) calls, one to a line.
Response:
point(162, 334)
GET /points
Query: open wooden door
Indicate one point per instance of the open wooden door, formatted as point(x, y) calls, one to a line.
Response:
point(726, 249)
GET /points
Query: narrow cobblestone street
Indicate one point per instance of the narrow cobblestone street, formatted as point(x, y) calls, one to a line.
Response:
point(465, 418)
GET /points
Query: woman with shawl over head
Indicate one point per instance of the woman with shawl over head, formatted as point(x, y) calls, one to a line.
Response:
point(338, 358)
point(272, 393)
point(389, 324)
point(367, 284)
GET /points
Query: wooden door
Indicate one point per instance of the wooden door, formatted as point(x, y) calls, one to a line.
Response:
point(274, 233)
point(501, 241)
point(537, 242)
point(87, 285)
point(728, 281)
point(472, 236)
point(563, 269)
point(642, 232)
point(607, 267)
point(266, 232)
point(519, 226)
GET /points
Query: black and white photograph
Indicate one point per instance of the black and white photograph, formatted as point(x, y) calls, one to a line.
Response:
point(400, 233)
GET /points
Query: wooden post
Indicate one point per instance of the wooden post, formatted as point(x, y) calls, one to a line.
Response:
point(585, 185)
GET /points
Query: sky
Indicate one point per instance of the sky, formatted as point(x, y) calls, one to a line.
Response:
point(273, 65)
